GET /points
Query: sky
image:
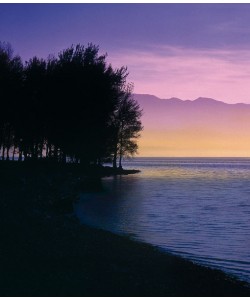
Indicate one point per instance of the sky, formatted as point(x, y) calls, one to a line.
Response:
point(171, 50)
point(201, 128)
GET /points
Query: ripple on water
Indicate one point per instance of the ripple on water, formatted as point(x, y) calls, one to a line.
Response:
point(197, 208)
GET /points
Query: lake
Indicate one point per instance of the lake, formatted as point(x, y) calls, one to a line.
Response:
point(198, 208)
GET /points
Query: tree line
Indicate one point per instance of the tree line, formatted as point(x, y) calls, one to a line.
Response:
point(73, 107)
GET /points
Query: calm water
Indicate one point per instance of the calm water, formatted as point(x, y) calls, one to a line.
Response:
point(197, 208)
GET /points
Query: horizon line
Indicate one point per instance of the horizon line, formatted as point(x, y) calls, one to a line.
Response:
point(187, 157)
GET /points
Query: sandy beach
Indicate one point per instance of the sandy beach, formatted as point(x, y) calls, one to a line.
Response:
point(46, 252)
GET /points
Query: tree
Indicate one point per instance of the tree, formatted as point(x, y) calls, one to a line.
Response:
point(73, 106)
point(126, 126)
point(84, 97)
point(10, 85)
point(33, 123)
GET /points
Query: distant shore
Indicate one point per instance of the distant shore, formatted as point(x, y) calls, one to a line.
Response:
point(44, 251)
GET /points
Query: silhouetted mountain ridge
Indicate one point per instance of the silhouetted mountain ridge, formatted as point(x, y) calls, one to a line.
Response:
point(200, 100)
point(200, 127)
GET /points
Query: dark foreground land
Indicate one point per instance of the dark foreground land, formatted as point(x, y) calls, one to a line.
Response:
point(44, 251)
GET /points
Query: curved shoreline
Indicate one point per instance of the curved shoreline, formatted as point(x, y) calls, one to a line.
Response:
point(44, 251)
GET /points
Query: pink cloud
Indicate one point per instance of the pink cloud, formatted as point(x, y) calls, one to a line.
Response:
point(188, 74)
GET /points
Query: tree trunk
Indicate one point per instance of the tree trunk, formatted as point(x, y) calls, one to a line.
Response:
point(25, 155)
point(115, 154)
point(35, 151)
point(3, 152)
point(20, 155)
point(14, 152)
point(114, 159)
point(8, 157)
point(55, 154)
point(120, 153)
point(47, 150)
point(121, 145)
point(41, 150)
point(120, 161)
point(64, 158)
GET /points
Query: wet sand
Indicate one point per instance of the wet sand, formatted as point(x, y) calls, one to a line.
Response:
point(44, 251)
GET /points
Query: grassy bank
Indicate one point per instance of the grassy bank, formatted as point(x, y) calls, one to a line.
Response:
point(44, 251)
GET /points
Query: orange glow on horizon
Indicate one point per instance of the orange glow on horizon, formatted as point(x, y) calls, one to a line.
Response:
point(200, 128)
point(193, 144)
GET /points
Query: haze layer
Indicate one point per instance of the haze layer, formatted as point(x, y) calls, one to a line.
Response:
point(200, 128)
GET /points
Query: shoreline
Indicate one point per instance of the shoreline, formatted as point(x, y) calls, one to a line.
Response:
point(45, 251)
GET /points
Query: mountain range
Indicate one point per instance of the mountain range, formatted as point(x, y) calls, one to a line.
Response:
point(200, 127)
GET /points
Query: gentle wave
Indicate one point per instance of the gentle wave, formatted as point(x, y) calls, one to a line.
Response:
point(198, 208)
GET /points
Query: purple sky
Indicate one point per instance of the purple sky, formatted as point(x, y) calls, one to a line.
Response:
point(171, 50)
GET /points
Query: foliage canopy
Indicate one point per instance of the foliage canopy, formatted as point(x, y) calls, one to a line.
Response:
point(71, 108)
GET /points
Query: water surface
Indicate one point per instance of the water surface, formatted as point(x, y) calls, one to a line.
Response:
point(197, 208)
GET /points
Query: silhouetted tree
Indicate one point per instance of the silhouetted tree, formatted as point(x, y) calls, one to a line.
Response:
point(72, 106)
point(126, 126)
point(86, 96)
point(10, 86)
point(33, 134)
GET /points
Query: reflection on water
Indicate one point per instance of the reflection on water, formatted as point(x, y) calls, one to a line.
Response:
point(199, 208)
